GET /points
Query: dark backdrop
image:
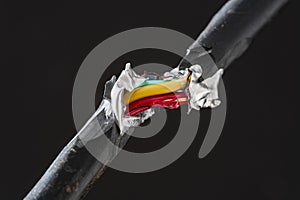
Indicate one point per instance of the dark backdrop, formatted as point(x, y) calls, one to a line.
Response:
point(256, 156)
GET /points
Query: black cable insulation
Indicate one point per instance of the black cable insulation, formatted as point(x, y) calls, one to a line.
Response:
point(231, 31)
point(227, 36)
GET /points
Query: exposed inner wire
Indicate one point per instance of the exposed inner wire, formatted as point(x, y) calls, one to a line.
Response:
point(158, 91)
point(134, 96)
point(170, 101)
point(155, 89)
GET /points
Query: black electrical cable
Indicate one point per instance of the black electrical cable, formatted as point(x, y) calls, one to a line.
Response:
point(230, 32)
point(73, 172)
point(226, 37)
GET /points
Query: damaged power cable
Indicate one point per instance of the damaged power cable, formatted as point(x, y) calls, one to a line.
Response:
point(201, 94)
point(227, 36)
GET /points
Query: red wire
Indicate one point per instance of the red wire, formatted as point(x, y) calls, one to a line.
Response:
point(171, 101)
point(137, 111)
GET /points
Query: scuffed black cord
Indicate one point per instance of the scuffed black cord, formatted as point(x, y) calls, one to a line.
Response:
point(226, 37)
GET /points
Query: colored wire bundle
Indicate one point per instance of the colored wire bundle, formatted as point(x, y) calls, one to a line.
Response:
point(156, 93)
point(155, 89)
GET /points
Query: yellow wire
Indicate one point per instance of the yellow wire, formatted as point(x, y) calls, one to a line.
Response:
point(155, 89)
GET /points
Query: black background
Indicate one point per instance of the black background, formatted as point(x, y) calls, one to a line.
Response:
point(256, 156)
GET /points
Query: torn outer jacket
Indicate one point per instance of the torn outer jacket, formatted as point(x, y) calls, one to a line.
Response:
point(202, 94)
point(128, 80)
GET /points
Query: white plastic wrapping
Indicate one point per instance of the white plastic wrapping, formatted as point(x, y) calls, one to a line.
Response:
point(204, 94)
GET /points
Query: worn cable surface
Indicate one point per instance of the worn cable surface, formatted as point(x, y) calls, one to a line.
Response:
point(226, 37)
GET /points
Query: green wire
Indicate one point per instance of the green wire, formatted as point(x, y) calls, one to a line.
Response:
point(151, 82)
